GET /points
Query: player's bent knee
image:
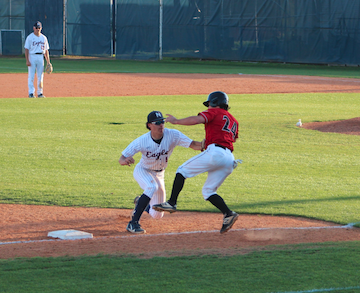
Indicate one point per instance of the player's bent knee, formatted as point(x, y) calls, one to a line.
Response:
point(150, 191)
point(207, 192)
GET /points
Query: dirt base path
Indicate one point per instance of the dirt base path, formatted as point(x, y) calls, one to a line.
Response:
point(24, 228)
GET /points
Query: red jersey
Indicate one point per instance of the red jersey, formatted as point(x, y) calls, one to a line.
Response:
point(220, 127)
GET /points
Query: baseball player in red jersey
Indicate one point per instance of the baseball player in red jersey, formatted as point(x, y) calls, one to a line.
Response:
point(156, 147)
point(221, 130)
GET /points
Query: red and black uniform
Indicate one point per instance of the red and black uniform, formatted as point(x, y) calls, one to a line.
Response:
point(220, 128)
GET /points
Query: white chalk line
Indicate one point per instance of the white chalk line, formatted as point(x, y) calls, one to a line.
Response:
point(350, 225)
point(322, 290)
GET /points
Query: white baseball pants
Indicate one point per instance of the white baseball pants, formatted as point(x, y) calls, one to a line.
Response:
point(218, 162)
point(37, 64)
point(153, 185)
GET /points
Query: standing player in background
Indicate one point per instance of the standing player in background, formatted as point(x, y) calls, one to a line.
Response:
point(36, 48)
point(156, 147)
point(221, 130)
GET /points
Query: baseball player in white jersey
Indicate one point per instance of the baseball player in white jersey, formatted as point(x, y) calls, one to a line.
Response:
point(156, 147)
point(36, 48)
point(221, 129)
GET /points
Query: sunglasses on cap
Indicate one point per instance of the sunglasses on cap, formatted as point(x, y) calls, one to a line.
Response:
point(158, 122)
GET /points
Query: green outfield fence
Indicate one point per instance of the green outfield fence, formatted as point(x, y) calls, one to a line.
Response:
point(291, 31)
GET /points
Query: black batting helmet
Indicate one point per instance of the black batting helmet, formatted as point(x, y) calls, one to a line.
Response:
point(217, 99)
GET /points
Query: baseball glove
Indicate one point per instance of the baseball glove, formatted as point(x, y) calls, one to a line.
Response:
point(49, 68)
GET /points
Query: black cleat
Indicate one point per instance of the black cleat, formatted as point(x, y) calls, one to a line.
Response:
point(134, 227)
point(164, 207)
point(228, 222)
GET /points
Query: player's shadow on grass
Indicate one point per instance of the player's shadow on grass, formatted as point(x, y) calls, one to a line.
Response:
point(116, 123)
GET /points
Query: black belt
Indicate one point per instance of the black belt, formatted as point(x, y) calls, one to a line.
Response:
point(221, 146)
point(158, 170)
point(38, 53)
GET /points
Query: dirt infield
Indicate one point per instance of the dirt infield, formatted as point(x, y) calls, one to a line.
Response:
point(24, 228)
point(181, 233)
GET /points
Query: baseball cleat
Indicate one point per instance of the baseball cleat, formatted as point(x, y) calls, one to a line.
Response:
point(164, 207)
point(134, 227)
point(41, 96)
point(31, 96)
point(228, 222)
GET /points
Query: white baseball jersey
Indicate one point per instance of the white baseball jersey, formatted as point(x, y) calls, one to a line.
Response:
point(150, 171)
point(36, 44)
point(155, 156)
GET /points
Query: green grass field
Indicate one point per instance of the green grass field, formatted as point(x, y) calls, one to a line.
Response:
point(293, 268)
point(171, 65)
point(65, 152)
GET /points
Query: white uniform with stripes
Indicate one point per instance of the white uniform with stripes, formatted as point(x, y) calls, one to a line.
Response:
point(150, 171)
point(37, 45)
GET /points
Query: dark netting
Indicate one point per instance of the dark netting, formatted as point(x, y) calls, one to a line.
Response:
point(12, 14)
point(293, 31)
point(12, 23)
point(88, 27)
point(299, 31)
point(137, 29)
point(50, 14)
point(11, 42)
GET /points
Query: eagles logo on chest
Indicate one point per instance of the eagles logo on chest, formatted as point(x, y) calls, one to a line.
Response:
point(156, 154)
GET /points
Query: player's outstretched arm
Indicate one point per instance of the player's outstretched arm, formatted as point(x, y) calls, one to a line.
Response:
point(196, 145)
point(126, 161)
point(191, 120)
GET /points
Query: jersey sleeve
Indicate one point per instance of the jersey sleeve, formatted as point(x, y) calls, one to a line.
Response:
point(182, 139)
point(207, 115)
point(27, 43)
point(46, 44)
point(132, 148)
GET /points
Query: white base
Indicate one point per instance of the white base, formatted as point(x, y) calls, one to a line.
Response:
point(69, 234)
